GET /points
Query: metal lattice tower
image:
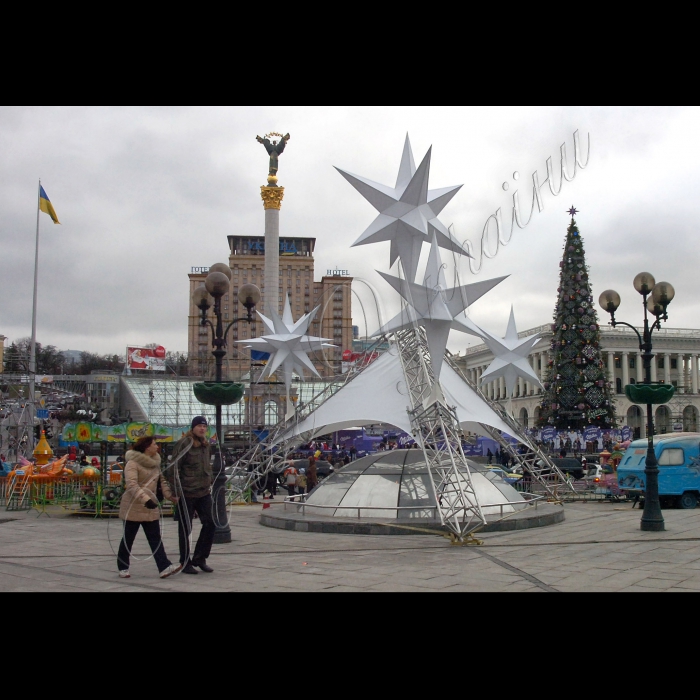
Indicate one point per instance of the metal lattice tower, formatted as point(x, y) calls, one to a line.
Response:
point(436, 429)
point(257, 463)
point(534, 461)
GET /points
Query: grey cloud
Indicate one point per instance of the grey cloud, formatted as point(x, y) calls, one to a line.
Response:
point(145, 193)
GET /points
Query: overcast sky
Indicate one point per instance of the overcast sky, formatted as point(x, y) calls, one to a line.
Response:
point(145, 193)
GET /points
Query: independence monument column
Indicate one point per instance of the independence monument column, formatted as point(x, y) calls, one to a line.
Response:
point(272, 196)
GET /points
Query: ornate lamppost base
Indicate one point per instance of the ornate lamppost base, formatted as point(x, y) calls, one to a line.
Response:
point(222, 535)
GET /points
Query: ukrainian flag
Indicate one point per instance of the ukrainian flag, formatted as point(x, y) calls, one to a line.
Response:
point(46, 206)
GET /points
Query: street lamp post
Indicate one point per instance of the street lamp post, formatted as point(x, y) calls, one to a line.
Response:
point(656, 298)
point(216, 284)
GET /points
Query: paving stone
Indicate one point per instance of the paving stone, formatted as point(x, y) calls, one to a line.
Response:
point(597, 547)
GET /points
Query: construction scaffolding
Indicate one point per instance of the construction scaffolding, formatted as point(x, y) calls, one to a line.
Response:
point(171, 402)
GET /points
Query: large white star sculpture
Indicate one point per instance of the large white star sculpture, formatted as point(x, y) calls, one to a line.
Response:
point(407, 212)
point(288, 346)
point(435, 306)
point(510, 357)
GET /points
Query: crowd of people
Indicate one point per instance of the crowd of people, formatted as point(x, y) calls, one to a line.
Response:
point(298, 480)
point(502, 457)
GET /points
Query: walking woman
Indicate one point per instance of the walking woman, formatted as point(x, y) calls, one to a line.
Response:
point(139, 506)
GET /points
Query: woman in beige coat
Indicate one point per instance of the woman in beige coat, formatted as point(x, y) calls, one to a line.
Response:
point(139, 506)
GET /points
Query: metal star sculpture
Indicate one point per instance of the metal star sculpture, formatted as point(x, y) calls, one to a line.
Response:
point(435, 306)
point(510, 357)
point(573, 211)
point(407, 212)
point(288, 345)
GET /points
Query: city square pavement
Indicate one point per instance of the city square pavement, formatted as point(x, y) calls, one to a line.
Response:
point(599, 547)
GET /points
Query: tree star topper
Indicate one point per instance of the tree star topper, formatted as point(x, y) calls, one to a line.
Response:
point(407, 212)
point(573, 211)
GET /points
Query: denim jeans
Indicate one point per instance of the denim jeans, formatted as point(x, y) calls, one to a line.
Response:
point(186, 509)
point(152, 531)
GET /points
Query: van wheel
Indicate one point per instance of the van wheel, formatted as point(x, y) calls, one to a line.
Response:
point(687, 500)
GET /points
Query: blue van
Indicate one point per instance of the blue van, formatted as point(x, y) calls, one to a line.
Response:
point(678, 455)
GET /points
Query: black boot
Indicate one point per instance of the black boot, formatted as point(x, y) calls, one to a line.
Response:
point(203, 566)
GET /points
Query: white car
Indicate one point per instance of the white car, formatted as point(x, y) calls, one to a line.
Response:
point(593, 472)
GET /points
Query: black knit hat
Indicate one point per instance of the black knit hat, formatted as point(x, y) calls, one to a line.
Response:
point(199, 420)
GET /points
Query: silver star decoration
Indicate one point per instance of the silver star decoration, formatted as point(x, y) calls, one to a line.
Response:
point(510, 357)
point(288, 345)
point(407, 212)
point(435, 306)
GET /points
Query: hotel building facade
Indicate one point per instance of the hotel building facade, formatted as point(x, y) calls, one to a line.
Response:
point(296, 279)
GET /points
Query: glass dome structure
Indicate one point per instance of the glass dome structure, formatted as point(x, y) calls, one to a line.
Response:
point(397, 484)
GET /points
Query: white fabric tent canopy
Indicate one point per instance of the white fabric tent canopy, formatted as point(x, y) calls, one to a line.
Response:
point(379, 395)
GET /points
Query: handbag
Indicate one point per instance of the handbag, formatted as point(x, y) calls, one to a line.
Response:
point(159, 490)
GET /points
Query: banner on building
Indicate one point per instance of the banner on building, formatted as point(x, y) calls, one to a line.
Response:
point(591, 433)
point(126, 432)
point(146, 358)
point(548, 434)
point(352, 359)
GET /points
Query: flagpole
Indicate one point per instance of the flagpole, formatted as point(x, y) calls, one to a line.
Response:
point(32, 356)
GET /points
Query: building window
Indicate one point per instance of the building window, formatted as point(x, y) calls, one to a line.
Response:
point(618, 385)
point(618, 364)
point(632, 362)
point(660, 364)
point(674, 363)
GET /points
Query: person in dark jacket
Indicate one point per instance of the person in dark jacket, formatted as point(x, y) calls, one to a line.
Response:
point(311, 475)
point(190, 476)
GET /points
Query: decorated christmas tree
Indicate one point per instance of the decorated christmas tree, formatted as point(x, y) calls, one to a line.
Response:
point(576, 388)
